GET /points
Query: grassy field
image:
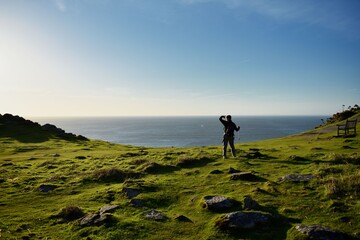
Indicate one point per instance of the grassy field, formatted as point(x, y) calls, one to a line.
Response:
point(47, 184)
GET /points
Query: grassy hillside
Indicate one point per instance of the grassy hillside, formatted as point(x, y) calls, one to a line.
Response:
point(49, 184)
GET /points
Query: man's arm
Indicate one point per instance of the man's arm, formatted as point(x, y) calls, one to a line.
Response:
point(221, 118)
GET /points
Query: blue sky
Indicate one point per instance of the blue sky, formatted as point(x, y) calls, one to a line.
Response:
point(178, 57)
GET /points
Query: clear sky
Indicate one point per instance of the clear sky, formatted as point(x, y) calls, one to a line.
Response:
point(178, 57)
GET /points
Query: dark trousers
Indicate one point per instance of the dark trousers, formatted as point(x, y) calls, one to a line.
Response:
point(229, 139)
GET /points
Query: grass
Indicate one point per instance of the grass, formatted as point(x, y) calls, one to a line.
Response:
point(88, 175)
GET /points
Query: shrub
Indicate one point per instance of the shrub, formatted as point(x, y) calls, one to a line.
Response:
point(71, 213)
point(113, 175)
point(342, 186)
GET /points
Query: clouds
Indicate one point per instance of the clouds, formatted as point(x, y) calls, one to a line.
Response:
point(334, 15)
point(60, 5)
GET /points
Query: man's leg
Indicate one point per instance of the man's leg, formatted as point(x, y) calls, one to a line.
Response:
point(231, 142)
point(225, 146)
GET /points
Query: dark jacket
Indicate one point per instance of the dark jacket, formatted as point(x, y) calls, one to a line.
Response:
point(229, 126)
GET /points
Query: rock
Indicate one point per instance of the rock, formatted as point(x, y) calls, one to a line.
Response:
point(297, 177)
point(244, 220)
point(251, 204)
point(96, 219)
point(243, 176)
point(216, 172)
point(130, 192)
point(182, 218)
point(46, 188)
point(154, 215)
point(318, 232)
point(108, 209)
point(233, 170)
point(89, 219)
point(217, 203)
point(136, 203)
point(56, 155)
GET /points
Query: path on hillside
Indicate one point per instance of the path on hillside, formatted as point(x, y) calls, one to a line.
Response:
point(327, 129)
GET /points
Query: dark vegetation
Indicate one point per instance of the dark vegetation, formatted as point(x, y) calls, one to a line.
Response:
point(343, 115)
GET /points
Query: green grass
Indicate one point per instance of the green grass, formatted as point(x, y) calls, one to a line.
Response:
point(90, 174)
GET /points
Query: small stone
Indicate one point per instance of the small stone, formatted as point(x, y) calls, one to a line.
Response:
point(136, 203)
point(46, 188)
point(154, 215)
point(182, 218)
point(248, 176)
point(216, 172)
point(233, 170)
point(130, 192)
point(251, 204)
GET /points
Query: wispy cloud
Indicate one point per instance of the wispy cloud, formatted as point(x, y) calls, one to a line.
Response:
point(60, 5)
point(335, 15)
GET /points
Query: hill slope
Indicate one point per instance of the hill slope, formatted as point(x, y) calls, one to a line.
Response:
point(53, 188)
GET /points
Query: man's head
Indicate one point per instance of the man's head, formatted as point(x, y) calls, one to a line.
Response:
point(228, 117)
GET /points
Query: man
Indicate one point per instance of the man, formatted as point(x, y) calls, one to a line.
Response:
point(229, 128)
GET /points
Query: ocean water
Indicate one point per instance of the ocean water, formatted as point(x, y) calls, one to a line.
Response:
point(181, 131)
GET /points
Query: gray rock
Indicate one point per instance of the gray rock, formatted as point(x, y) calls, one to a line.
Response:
point(130, 192)
point(248, 176)
point(244, 220)
point(251, 204)
point(46, 188)
point(136, 203)
point(297, 177)
point(218, 203)
point(318, 232)
point(233, 170)
point(182, 218)
point(89, 219)
point(216, 172)
point(108, 209)
point(95, 219)
point(154, 215)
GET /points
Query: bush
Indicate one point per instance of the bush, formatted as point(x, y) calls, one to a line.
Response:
point(71, 213)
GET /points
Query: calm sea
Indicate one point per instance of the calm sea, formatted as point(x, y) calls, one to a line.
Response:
point(181, 131)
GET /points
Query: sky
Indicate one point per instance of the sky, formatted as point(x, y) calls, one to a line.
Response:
point(178, 57)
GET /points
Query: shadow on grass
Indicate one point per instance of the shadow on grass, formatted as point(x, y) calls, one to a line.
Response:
point(189, 162)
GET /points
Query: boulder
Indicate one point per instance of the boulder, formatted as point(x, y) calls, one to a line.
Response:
point(318, 232)
point(217, 203)
point(243, 220)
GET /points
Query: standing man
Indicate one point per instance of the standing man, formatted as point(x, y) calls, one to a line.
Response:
point(229, 128)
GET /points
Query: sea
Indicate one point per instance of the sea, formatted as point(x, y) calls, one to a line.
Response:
point(181, 131)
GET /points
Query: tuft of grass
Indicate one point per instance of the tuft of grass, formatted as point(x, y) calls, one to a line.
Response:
point(112, 175)
point(71, 213)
